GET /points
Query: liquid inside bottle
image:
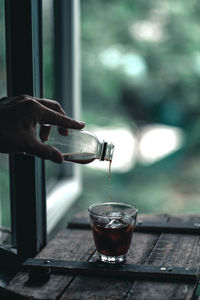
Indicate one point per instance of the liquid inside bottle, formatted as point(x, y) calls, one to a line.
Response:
point(80, 158)
point(80, 146)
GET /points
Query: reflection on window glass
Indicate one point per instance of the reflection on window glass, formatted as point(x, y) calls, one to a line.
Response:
point(140, 90)
point(52, 169)
point(4, 169)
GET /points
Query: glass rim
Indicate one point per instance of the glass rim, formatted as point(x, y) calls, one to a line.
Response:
point(129, 214)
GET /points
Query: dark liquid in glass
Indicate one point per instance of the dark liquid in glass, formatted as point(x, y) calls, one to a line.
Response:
point(112, 241)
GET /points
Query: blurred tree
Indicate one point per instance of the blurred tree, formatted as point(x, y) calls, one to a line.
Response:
point(141, 63)
point(147, 50)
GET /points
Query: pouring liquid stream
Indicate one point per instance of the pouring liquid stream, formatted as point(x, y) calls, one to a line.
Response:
point(109, 182)
point(86, 158)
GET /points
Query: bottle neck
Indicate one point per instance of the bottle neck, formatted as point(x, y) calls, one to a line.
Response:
point(107, 150)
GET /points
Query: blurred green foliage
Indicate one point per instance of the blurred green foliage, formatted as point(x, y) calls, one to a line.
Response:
point(141, 64)
point(165, 37)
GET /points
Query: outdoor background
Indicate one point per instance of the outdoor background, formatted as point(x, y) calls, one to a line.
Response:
point(141, 67)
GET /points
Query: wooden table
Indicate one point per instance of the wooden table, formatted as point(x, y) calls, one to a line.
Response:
point(148, 248)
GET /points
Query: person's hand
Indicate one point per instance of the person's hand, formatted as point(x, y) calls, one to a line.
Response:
point(18, 119)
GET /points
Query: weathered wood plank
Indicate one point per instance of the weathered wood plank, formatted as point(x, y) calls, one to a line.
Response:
point(69, 245)
point(173, 249)
point(170, 250)
point(100, 288)
point(153, 227)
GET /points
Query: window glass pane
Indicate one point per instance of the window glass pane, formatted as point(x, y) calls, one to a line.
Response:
point(48, 47)
point(52, 170)
point(4, 164)
point(61, 83)
point(140, 90)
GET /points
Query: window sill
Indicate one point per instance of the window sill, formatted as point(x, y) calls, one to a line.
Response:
point(60, 199)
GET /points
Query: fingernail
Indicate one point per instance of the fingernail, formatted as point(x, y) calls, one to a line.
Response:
point(82, 123)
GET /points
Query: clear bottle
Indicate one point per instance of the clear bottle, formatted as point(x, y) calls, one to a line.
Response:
point(80, 146)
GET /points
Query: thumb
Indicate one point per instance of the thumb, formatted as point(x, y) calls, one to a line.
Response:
point(45, 151)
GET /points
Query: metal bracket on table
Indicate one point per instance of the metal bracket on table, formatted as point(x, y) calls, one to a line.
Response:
point(41, 268)
point(132, 271)
point(145, 226)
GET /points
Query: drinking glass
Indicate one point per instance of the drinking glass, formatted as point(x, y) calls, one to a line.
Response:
point(112, 226)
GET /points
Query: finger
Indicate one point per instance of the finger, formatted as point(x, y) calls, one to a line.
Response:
point(45, 151)
point(48, 116)
point(19, 99)
point(46, 129)
point(22, 98)
point(44, 132)
point(54, 105)
point(63, 131)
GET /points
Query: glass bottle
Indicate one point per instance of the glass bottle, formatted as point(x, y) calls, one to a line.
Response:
point(80, 146)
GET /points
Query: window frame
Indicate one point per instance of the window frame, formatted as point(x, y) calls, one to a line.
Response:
point(67, 91)
point(24, 76)
point(32, 214)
